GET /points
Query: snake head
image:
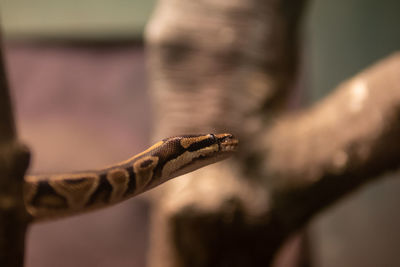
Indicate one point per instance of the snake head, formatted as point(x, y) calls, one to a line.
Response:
point(190, 152)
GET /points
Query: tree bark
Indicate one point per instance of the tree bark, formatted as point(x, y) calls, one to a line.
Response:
point(14, 160)
point(351, 137)
point(221, 63)
point(230, 66)
point(217, 66)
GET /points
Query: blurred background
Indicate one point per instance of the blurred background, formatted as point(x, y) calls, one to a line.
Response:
point(78, 76)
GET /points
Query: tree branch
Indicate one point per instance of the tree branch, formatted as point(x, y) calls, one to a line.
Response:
point(7, 125)
point(240, 212)
point(217, 66)
point(14, 160)
point(348, 139)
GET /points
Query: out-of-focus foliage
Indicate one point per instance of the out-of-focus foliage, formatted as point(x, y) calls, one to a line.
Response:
point(75, 19)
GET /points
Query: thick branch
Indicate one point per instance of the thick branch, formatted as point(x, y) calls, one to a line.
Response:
point(215, 63)
point(224, 66)
point(346, 140)
point(7, 126)
point(311, 160)
point(14, 159)
point(217, 66)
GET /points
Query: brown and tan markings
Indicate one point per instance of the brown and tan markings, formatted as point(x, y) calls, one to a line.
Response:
point(144, 170)
point(187, 142)
point(119, 180)
point(174, 166)
point(76, 188)
point(49, 196)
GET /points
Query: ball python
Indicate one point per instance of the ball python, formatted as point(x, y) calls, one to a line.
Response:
point(59, 195)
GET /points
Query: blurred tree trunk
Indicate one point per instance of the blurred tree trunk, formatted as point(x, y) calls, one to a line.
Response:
point(219, 66)
point(14, 160)
point(229, 66)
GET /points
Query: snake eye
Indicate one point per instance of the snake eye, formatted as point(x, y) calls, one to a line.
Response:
point(213, 138)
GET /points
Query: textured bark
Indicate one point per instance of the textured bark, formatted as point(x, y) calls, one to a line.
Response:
point(351, 137)
point(14, 160)
point(307, 161)
point(218, 66)
point(229, 66)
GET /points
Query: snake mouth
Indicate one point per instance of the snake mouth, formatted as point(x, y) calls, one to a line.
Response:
point(227, 142)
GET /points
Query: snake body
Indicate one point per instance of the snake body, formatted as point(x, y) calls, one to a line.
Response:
point(58, 195)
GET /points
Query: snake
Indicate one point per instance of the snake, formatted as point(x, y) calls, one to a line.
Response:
point(49, 196)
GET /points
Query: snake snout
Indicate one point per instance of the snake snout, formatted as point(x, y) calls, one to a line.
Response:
point(227, 142)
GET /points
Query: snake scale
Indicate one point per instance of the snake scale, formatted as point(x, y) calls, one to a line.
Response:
point(59, 195)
